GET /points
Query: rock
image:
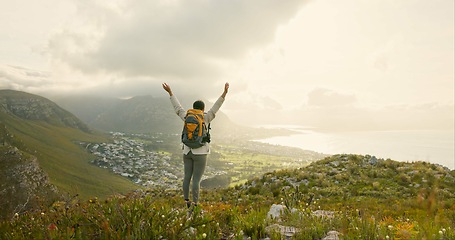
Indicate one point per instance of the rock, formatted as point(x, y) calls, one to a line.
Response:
point(324, 214)
point(335, 163)
point(373, 160)
point(275, 211)
point(332, 235)
point(285, 231)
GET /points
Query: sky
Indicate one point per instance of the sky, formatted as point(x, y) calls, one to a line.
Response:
point(339, 65)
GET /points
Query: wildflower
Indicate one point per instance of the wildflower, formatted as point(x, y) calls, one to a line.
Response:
point(387, 237)
point(52, 227)
point(16, 214)
point(162, 216)
point(443, 230)
point(203, 225)
point(42, 214)
point(390, 227)
point(204, 235)
point(440, 233)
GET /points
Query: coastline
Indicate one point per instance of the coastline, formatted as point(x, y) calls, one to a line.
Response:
point(434, 146)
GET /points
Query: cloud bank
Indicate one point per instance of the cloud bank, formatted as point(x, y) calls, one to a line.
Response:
point(167, 39)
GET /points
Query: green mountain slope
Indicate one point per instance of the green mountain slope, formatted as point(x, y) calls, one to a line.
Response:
point(21, 179)
point(51, 134)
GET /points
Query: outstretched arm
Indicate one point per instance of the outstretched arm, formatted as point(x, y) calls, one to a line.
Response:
point(175, 102)
point(211, 113)
point(167, 88)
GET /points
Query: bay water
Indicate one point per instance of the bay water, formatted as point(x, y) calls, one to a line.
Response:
point(434, 146)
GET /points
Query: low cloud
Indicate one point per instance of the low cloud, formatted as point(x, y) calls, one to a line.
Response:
point(334, 111)
point(345, 117)
point(23, 79)
point(324, 97)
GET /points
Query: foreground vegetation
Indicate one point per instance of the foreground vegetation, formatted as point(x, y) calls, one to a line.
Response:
point(359, 197)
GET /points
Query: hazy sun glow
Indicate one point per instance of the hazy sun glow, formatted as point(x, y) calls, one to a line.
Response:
point(326, 63)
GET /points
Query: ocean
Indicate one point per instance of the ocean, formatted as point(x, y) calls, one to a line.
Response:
point(434, 146)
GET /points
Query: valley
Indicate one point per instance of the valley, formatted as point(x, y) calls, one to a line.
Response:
point(154, 160)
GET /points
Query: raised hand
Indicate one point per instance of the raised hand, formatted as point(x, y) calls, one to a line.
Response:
point(167, 88)
point(226, 88)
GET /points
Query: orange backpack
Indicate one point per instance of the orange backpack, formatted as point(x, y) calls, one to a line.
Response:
point(195, 133)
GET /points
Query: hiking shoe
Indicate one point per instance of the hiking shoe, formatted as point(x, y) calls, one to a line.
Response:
point(188, 203)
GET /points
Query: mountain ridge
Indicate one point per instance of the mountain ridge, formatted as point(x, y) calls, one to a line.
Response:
point(33, 107)
point(138, 114)
point(45, 136)
point(149, 114)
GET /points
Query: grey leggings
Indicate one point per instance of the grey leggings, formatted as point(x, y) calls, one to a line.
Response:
point(194, 168)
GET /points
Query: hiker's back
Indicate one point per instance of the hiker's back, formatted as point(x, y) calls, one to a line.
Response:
point(194, 133)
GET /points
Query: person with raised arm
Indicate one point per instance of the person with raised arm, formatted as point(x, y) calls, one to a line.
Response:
point(195, 158)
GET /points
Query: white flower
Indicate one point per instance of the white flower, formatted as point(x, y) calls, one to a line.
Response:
point(204, 235)
point(390, 227)
point(387, 237)
point(16, 214)
point(440, 233)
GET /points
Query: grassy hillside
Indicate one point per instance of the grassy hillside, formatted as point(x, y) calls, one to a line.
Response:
point(23, 183)
point(66, 162)
point(349, 196)
point(42, 129)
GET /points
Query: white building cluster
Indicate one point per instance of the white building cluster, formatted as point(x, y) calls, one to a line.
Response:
point(127, 157)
